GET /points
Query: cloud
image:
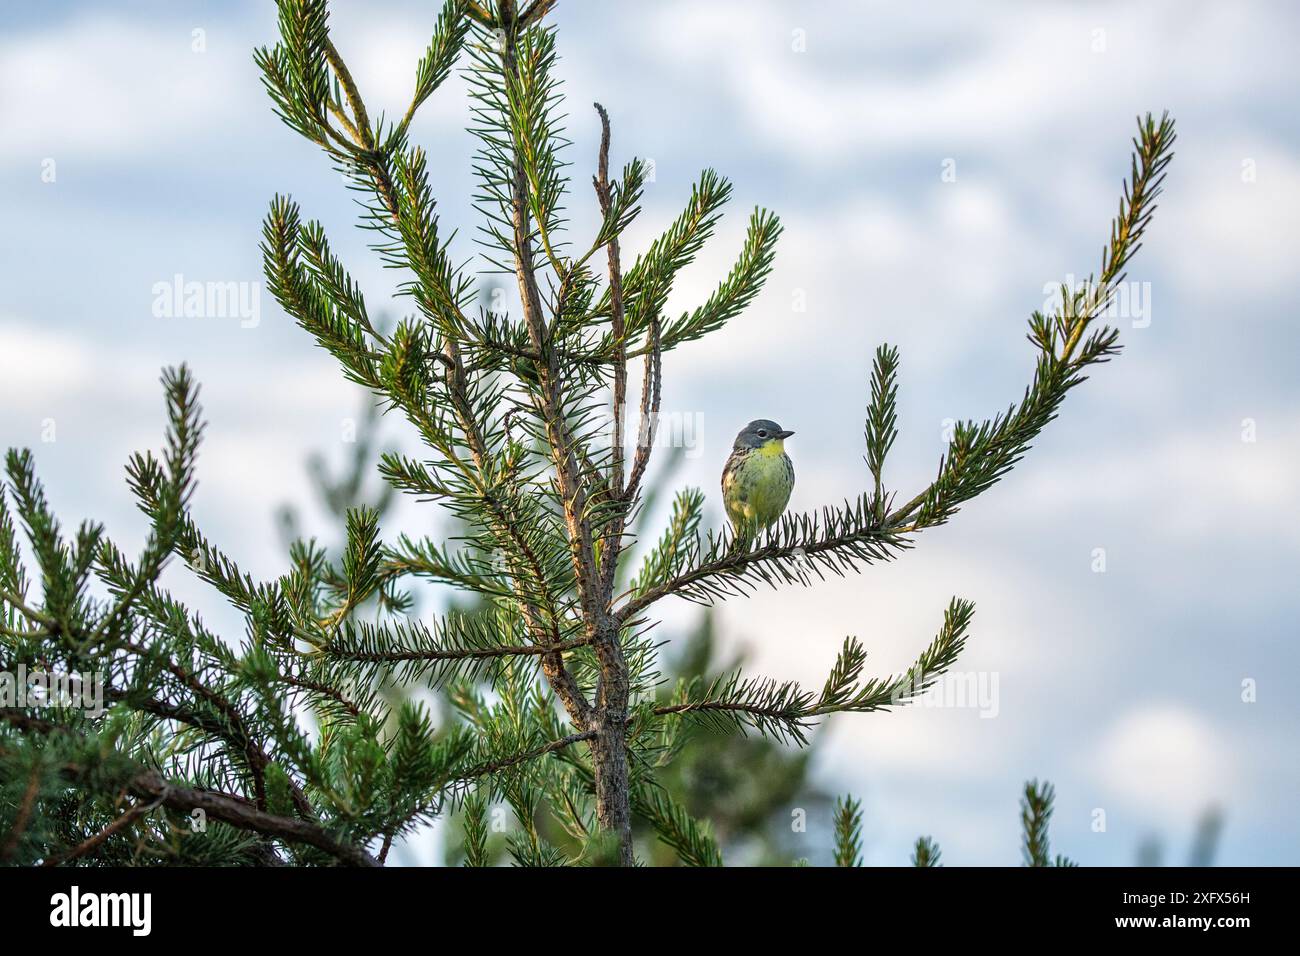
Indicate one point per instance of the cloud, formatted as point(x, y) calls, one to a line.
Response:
point(875, 78)
point(921, 270)
point(104, 401)
point(98, 85)
point(1163, 759)
point(40, 365)
point(103, 87)
point(1230, 215)
point(1180, 485)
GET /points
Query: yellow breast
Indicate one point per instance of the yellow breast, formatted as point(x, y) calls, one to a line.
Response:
point(759, 488)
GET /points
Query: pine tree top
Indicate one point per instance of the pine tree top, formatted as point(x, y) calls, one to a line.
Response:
point(304, 739)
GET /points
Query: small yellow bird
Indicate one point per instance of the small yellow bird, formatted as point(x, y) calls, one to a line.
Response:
point(758, 477)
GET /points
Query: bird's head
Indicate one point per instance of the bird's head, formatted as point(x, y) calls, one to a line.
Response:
point(764, 434)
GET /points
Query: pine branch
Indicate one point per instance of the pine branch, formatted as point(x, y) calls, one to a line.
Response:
point(882, 414)
point(494, 767)
point(436, 64)
point(59, 584)
point(737, 290)
point(121, 822)
point(1035, 814)
point(784, 711)
point(458, 648)
point(848, 832)
point(926, 853)
point(476, 831)
point(649, 281)
point(610, 542)
point(978, 455)
point(691, 839)
point(673, 550)
point(13, 575)
point(150, 786)
point(26, 805)
point(795, 550)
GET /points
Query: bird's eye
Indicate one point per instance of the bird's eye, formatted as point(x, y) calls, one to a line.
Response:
point(762, 433)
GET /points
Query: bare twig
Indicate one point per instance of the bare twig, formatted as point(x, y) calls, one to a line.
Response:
point(611, 544)
point(362, 128)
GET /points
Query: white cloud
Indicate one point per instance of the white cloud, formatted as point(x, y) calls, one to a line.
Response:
point(925, 270)
point(1231, 240)
point(1164, 760)
point(101, 87)
point(1189, 486)
point(41, 365)
point(879, 78)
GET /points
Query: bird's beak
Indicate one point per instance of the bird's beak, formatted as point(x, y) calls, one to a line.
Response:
point(784, 435)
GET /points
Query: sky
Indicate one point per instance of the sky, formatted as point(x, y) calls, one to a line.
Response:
point(939, 168)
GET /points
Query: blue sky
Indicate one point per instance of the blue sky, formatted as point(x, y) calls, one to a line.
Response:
point(1123, 687)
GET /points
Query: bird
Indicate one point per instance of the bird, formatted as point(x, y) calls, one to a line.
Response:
point(758, 477)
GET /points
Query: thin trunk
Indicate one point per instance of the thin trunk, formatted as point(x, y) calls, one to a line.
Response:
point(609, 746)
point(607, 720)
point(613, 808)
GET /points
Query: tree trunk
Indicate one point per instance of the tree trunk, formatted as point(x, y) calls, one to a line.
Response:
point(613, 807)
point(609, 746)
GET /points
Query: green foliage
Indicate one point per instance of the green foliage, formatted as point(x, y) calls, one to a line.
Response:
point(926, 853)
point(1035, 814)
point(690, 839)
point(882, 415)
point(848, 832)
point(784, 710)
point(302, 740)
point(744, 785)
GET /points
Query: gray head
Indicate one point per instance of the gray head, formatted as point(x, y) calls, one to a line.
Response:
point(758, 433)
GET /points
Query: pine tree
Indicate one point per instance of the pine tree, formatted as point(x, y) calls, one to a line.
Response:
point(743, 785)
point(276, 745)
